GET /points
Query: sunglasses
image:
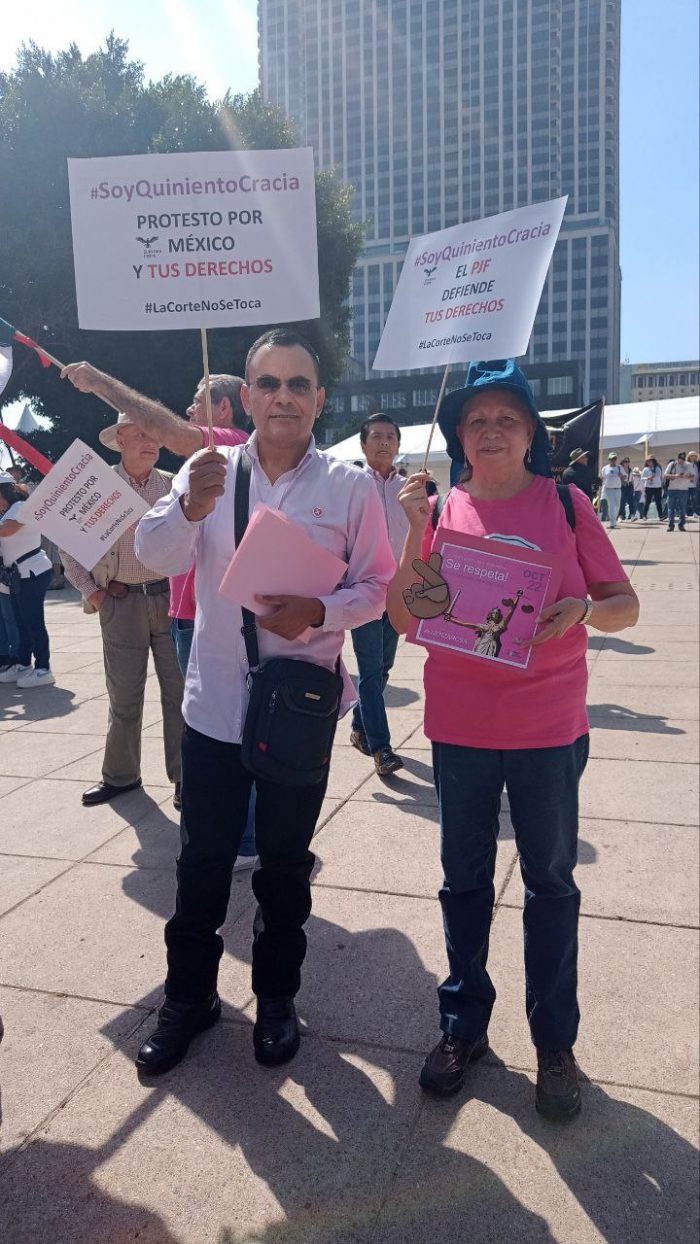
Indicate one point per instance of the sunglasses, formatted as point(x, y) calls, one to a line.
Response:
point(299, 386)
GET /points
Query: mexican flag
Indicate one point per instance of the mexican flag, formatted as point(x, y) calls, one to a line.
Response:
point(9, 334)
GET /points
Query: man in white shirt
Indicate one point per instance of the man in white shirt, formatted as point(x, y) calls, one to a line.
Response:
point(611, 489)
point(680, 477)
point(340, 509)
point(375, 643)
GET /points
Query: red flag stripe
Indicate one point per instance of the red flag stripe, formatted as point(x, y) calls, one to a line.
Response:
point(27, 451)
point(27, 341)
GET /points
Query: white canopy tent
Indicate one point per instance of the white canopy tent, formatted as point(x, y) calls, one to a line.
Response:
point(662, 426)
point(668, 425)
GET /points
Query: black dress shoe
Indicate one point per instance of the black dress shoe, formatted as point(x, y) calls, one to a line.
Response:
point(103, 792)
point(276, 1031)
point(444, 1068)
point(558, 1095)
point(178, 1023)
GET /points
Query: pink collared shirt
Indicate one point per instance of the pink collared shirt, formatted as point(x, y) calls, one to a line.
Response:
point(339, 508)
point(182, 600)
point(394, 514)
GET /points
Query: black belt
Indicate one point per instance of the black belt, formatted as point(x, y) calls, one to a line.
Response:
point(150, 589)
point(26, 556)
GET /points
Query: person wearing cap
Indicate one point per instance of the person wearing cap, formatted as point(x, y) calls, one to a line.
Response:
point(25, 562)
point(493, 726)
point(611, 489)
point(132, 602)
point(579, 472)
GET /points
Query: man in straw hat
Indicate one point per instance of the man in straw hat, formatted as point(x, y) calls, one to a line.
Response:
point(579, 472)
point(132, 603)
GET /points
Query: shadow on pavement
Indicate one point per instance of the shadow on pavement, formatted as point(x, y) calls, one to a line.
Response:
point(399, 697)
point(634, 1176)
point(617, 717)
point(598, 642)
point(49, 1194)
point(38, 704)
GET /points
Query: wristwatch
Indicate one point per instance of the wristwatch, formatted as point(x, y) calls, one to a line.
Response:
point(589, 610)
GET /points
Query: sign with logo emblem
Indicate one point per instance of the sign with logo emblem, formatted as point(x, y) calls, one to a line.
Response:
point(83, 505)
point(471, 291)
point(195, 240)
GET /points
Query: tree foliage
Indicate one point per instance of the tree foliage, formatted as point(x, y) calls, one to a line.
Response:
point(57, 106)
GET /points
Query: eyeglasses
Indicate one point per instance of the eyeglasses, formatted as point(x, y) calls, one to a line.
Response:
point(299, 386)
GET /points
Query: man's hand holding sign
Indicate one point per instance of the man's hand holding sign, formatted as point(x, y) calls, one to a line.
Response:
point(207, 479)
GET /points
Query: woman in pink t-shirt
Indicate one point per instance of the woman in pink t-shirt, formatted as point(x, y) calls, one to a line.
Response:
point(493, 725)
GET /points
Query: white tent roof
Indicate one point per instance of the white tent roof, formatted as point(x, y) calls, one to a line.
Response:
point(671, 422)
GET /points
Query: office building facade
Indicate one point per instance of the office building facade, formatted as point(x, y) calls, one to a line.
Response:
point(443, 111)
point(652, 382)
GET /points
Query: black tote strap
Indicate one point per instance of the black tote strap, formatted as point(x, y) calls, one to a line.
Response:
point(240, 512)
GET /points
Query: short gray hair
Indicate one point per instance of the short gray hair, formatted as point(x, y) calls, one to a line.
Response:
point(221, 386)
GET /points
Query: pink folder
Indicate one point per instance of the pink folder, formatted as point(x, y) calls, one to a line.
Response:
point(276, 557)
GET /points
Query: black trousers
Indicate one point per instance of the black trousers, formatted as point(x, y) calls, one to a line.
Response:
point(216, 791)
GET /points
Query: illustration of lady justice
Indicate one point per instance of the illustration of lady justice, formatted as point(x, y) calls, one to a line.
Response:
point(489, 633)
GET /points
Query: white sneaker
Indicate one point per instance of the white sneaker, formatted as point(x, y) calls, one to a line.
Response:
point(36, 678)
point(244, 862)
point(14, 673)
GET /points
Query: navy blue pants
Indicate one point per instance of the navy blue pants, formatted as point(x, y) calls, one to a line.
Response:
point(375, 646)
point(542, 786)
point(28, 604)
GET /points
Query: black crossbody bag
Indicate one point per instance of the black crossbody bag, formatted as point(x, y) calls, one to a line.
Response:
point(293, 708)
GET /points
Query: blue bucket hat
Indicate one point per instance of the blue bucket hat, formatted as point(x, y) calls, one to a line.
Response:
point(496, 374)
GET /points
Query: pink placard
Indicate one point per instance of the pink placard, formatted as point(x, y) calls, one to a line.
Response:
point(495, 593)
point(277, 557)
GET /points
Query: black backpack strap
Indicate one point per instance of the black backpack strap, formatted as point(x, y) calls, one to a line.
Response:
point(564, 492)
point(241, 507)
point(437, 509)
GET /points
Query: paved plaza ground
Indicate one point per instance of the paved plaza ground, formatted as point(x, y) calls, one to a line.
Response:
point(340, 1146)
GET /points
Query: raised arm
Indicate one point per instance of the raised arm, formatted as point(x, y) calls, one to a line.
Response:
point(151, 417)
point(414, 500)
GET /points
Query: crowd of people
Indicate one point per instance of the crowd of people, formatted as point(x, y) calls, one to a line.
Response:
point(491, 729)
point(625, 493)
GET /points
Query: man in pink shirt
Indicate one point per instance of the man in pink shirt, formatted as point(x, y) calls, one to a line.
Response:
point(339, 508)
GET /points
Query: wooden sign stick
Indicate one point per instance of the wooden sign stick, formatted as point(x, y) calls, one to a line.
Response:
point(435, 415)
point(207, 390)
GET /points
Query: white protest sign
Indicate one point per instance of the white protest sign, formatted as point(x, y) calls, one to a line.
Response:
point(83, 505)
point(195, 240)
point(471, 291)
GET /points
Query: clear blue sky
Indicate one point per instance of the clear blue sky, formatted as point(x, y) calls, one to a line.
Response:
point(216, 41)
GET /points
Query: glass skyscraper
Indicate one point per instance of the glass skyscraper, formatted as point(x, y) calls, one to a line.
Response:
point(443, 111)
